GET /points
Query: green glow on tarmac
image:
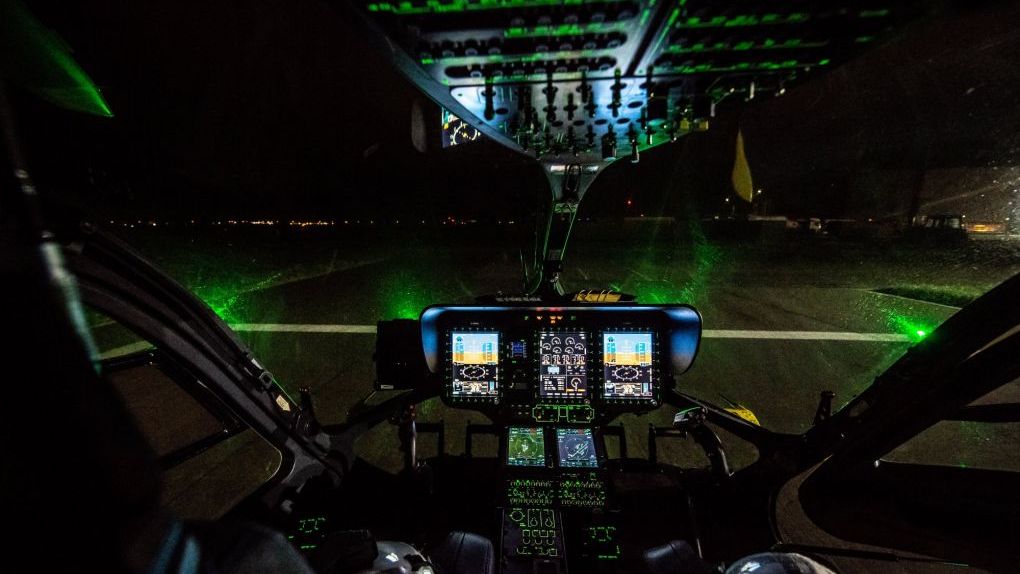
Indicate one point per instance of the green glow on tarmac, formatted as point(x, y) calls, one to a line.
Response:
point(705, 257)
point(695, 286)
point(222, 301)
point(223, 297)
point(909, 326)
point(38, 59)
point(222, 307)
point(403, 296)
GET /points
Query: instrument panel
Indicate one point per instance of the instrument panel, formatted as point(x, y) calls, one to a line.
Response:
point(551, 378)
point(558, 364)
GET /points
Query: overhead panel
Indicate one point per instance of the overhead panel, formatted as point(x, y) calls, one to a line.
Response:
point(592, 81)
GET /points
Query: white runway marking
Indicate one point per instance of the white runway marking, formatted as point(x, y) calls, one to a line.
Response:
point(805, 335)
point(911, 299)
point(125, 350)
point(707, 333)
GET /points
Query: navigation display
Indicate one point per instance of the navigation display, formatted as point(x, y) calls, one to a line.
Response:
point(627, 359)
point(563, 370)
point(526, 447)
point(475, 364)
point(576, 448)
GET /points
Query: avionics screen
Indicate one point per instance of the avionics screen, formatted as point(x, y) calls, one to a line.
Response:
point(576, 448)
point(627, 359)
point(475, 362)
point(563, 370)
point(526, 447)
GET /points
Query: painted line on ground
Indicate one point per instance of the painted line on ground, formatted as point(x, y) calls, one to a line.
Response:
point(125, 350)
point(707, 333)
point(806, 335)
point(913, 300)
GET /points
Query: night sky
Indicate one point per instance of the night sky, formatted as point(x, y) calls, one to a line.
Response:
point(277, 109)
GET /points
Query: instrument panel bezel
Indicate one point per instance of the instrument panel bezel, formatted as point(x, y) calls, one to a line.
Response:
point(675, 330)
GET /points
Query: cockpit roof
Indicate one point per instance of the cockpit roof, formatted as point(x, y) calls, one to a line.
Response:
point(590, 81)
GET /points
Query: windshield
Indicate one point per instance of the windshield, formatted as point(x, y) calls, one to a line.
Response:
point(299, 185)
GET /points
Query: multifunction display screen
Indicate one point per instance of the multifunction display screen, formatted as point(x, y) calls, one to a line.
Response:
point(475, 363)
point(627, 360)
point(526, 447)
point(563, 368)
point(576, 448)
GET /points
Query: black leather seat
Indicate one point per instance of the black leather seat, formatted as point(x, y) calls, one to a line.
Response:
point(464, 553)
point(675, 557)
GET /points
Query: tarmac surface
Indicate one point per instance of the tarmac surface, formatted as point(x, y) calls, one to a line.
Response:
point(782, 325)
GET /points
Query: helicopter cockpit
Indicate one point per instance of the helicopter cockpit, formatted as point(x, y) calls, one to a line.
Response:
point(545, 389)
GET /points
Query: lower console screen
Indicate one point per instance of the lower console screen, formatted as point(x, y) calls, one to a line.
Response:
point(627, 358)
point(576, 448)
point(563, 361)
point(526, 447)
point(475, 363)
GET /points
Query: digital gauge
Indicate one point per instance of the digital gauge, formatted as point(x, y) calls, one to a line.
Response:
point(563, 364)
point(456, 131)
point(576, 448)
point(627, 361)
point(475, 364)
point(525, 447)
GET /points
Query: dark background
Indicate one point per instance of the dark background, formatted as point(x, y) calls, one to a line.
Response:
point(277, 109)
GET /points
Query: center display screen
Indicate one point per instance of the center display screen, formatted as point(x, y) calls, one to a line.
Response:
point(563, 364)
point(475, 363)
point(627, 360)
point(525, 447)
point(576, 448)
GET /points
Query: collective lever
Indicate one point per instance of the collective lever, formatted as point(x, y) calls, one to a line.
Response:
point(692, 421)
